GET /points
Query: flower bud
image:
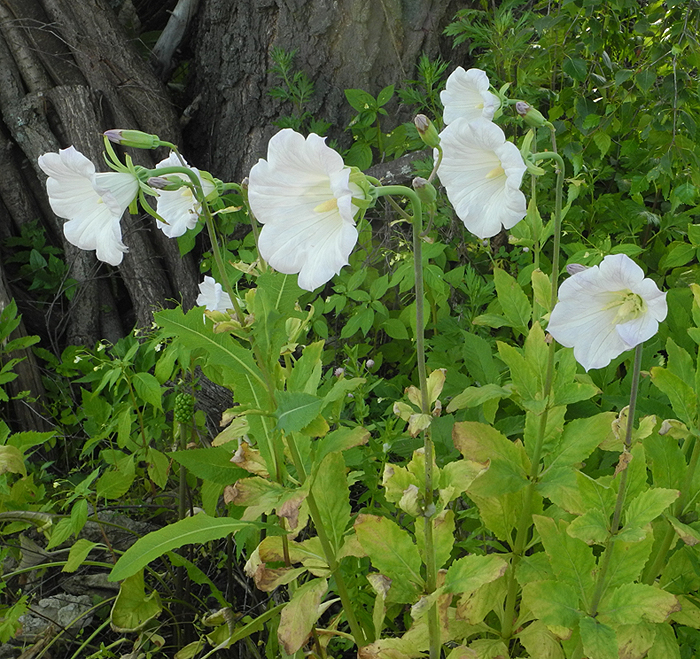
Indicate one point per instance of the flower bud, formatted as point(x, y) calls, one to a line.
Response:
point(133, 138)
point(339, 371)
point(162, 183)
point(369, 363)
point(426, 191)
point(531, 116)
point(427, 131)
point(574, 268)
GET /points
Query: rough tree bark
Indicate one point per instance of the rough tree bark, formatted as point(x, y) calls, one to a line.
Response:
point(340, 44)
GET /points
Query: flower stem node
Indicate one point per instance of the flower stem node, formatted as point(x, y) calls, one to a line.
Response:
point(427, 131)
point(531, 116)
point(134, 138)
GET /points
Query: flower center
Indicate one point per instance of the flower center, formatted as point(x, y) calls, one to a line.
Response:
point(629, 306)
point(496, 172)
point(326, 206)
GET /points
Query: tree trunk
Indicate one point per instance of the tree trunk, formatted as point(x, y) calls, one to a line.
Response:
point(340, 44)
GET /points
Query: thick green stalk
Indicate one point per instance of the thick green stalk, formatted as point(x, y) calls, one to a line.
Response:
point(329, 553)
point(615, 526)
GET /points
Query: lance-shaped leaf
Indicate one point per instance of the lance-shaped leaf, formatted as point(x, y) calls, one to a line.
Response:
point(683, 398)
point(665, 644)
point(197, 529)
point(212, 464)
point(515, 305)
point(592, 527)
point(540, 642)
point(393, 553)
point(300, 615)
point(581, 437)
point(646, 507)
point(332, 496)
point(296, 410)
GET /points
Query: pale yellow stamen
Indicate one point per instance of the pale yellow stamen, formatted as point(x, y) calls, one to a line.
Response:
point(496, 172)
point(326, 206)
point(629, 306)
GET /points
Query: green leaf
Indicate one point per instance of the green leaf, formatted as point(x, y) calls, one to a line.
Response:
point(340, 440)
point(12, 461)
point(581, 437)
point(385, 95)
point(192, 530)
point(540, 642)
point(683, 399)
point(393, 553)
point(648, 505)
point(598, 640)
point(576, 68)
point(665, 644)
point(26, 440)
point(631, 603)
point(298, 617)
point(475, 396)
point(668, 464)
point(478, 358)
point(78, 553)
point(360, 100)
point(571, 559)
point(116, 481)
point(515, 305)
point(553, 602)
point(592, 527)
point(306, 373)
point(132, 609)
point(213, 464)
point(148, 389)
point(330, 489)
point(602, 141)
point(645, 79)
point(395, 329)
point(467, 574)
point(296, 410)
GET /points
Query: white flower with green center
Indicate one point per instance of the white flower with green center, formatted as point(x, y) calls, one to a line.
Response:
point(482, 173)
point(212, 296)
point(606, 310)
point(180, 208)
point(303, 196)
point(93, 203)
point(467, 96)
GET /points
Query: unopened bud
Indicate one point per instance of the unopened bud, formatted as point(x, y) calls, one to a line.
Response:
point(531, 116)
point(338, 372)
point(162, 183)
point(369, 363)
point(245, 183)
point(426, 191)
point(133, 138)
point(427, 131)
point(575, 268)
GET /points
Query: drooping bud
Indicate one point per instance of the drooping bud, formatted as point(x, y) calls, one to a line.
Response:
point(426, 191)
point(134, 138)
point(427, 131)
point(531, 116)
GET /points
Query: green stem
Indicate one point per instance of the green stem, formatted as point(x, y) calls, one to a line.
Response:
point(429, 505)
point(615, 526)
point(348, 608)
point(525, 519)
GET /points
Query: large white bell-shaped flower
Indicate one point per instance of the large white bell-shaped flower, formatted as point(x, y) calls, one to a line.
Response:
point(482, 173)
point(606, 310)
point(303, 196)
point(92, 203)
point(467, 96)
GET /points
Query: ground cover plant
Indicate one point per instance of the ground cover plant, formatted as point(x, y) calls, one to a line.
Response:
point(462, 413)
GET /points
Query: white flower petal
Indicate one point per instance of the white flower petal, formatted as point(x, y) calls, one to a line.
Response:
point(606, 310)
point(179, 208)
point(92, 203)
point(303, 197)
point(482, 173)
point(467, 96)
point(212, 296)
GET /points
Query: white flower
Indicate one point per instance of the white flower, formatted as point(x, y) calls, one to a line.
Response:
point(179, 208)
point(467, 95)
point(482, 173)
point(605, 310)
point(212, 296)
point(92, 203)
point(303, 195)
